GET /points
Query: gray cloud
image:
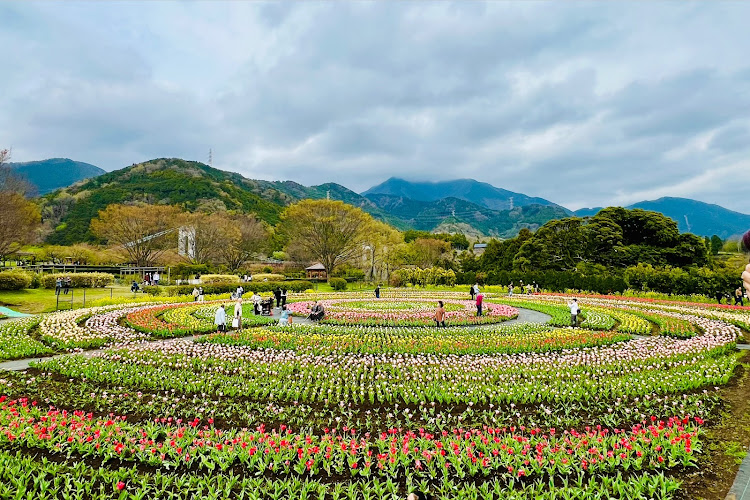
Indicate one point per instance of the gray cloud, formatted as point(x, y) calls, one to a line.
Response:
point(582, 103)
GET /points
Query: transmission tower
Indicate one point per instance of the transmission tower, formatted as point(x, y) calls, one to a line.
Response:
point(210, 157)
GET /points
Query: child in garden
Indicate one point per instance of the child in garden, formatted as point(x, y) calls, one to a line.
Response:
point(285, 318)
point(440, 314)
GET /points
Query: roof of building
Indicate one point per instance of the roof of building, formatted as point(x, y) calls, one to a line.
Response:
point(316, 267)
point(480, 245)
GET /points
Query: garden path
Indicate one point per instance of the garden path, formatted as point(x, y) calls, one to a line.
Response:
point(524, 316)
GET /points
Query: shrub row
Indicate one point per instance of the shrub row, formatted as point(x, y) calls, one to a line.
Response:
point(268, 276)
point(218, 288)
point(79, 280)
point(15, 280)
point(210, 279)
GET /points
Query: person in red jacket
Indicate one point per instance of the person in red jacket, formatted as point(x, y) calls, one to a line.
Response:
point(480, 299)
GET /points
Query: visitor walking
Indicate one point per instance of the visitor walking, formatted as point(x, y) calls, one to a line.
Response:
point(377, 292)
point(237, 321)
point(277, 295)
point(195, 293)
point(480, 300)
point(471, 292)
point(220, 319)
point(575, 310)
point(476, 288)
point(510, 289)
point(440, 314)
point(283, 297)
point(738, 296)
point(67, 283)
point(58, 286)
point(201, 297)
point(256, 303)
point(156, 278)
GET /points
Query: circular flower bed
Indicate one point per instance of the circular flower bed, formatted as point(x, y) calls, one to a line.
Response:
point(415, 312)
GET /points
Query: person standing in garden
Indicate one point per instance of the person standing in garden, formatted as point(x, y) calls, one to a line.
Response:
point(440, 314)
point(476, 288)
point(738, 296)
point(156, 278)
point(575, 310)
point(377, 292)
point(471, 292)
point(58, 286)
point(480, 300)
point(256, 303)
point(201, 298)
point(237, 321)
point(510, 289)
point(220, 319)
point(283, 297)
point(195, 294)
point(277, 295)
point(746, 279)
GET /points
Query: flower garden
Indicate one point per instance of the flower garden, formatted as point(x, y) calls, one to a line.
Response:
point(373, 402)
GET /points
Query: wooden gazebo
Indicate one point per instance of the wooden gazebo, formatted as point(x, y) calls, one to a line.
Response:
point(316, 271)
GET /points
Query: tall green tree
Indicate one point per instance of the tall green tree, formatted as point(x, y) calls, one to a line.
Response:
point(328, 231)
point(716, 244)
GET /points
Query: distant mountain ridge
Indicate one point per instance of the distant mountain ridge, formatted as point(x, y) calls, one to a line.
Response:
point(479, 193)
point(464, 205)
point(692, 216)
point(55, 173)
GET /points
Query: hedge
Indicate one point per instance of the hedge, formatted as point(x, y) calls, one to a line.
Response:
point(337, 284)
point(268, 276)
point(79, 280)
point(210, 279)
point(15, 280)
point(218, 288)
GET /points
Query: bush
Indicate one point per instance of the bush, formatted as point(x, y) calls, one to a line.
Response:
point(15, 280)
point(337, 284)
point(268, 276)
point(209, 279)
point(80, 280)
point(219, 288)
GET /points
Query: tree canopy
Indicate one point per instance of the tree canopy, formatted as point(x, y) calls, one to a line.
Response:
point(331, 232)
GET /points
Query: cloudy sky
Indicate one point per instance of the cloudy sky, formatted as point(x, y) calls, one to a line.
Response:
point(584, 104)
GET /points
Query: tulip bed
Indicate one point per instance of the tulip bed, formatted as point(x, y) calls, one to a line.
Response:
point(416, 312)
point(375, 404)
point(374, 340)
point(15, 341)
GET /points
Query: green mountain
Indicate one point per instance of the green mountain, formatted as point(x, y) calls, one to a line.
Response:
point(697, 217)
point(55, 173)
point(188, 184)
point(478, 193)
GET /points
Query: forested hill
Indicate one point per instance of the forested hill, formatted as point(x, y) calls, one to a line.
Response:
point(190, 185)
point(55, 173)
point(692, 216)
point(475, 192)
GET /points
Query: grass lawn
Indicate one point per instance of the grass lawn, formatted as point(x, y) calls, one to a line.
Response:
point(39, 300)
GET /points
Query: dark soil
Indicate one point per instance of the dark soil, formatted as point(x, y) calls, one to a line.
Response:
point(718, 468)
